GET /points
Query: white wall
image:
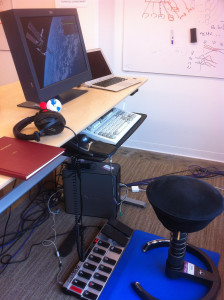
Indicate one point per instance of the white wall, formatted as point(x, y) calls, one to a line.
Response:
point(185, 114)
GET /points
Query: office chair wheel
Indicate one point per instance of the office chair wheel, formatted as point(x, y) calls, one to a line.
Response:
point(183, 205)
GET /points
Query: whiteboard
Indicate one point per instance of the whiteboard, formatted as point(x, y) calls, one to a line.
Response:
point(183, 37)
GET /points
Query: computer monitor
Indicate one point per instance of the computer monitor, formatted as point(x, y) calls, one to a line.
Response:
point(49, 53)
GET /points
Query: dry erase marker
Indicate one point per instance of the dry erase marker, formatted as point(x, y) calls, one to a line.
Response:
point(171, 37)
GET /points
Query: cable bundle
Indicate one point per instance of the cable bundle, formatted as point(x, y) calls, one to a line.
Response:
point(34, 214)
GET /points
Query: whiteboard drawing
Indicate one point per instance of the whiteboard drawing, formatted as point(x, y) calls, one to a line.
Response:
point(208, 57)
point(167, 9)
point(183, 37)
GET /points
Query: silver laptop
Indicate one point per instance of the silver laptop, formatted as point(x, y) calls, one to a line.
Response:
point(103, 77)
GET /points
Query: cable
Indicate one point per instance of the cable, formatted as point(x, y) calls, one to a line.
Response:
point(33, 215)
point(193, 170)
point(6, 225)
point(43, 209)
point(5, 264)
point(17, 236)
point(49, 242)
point(4, 235)
point(124, 197)
point(219, 188)
point(37, 244)
point(28, 215)
point(119, 201)
point(148, 180)
point(71, 130)
point(113, 187)
point(200, 172)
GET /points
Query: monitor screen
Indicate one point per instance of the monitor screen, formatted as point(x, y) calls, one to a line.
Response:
point(48, 51)
point(98, 64)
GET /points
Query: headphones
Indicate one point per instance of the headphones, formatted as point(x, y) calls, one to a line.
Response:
point(48, 123)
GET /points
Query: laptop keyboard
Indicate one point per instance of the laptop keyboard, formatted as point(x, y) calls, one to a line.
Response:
point(110, 81)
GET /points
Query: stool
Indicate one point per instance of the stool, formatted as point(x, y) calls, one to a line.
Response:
point(183, 205)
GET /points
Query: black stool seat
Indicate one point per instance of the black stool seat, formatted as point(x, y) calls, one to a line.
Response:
point(184, 203)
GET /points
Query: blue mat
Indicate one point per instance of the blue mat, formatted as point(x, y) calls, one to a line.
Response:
point(148, 269)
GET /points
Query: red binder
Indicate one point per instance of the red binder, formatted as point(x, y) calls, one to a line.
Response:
point(22, 159)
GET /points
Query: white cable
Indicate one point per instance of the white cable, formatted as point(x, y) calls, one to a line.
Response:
point(47, 243)
point(126, 191)
point(48, 203)
point(124, 197)
point(219, 188)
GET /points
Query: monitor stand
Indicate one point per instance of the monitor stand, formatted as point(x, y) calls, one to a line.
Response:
point(63, 98)
point(29, 104)
point(70, 95)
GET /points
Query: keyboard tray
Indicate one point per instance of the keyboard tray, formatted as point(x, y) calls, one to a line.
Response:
point(114, 148)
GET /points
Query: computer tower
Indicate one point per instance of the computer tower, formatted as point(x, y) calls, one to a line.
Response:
point(92, 188)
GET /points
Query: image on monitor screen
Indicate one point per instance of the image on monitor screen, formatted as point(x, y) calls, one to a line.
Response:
point(48, 39)
point(48, 51)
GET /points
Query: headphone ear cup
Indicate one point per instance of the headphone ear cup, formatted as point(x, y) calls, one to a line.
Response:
point(22, 124)
point(49, 122)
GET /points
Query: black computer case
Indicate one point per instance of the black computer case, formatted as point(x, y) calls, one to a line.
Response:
point(92, 188)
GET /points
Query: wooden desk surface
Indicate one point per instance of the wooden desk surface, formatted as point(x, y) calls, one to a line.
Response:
point(78, 113)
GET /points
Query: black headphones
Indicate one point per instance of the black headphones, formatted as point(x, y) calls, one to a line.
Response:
point(48, 123)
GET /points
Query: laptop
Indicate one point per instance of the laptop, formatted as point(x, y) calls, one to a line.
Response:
point(103, 77)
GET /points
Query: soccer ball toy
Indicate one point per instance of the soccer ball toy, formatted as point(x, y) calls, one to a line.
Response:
point(54, 105)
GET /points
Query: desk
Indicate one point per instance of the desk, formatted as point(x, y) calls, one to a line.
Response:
point(79, 113)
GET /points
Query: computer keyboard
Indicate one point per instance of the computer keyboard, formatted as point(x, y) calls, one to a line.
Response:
point(110, 81)
point(111, 127)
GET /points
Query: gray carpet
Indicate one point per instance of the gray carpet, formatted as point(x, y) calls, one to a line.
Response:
point(36, 278)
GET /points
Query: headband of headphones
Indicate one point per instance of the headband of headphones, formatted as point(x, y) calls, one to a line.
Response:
point(47, 122)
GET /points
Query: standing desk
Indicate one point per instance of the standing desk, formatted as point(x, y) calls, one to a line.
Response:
point(78, 113)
